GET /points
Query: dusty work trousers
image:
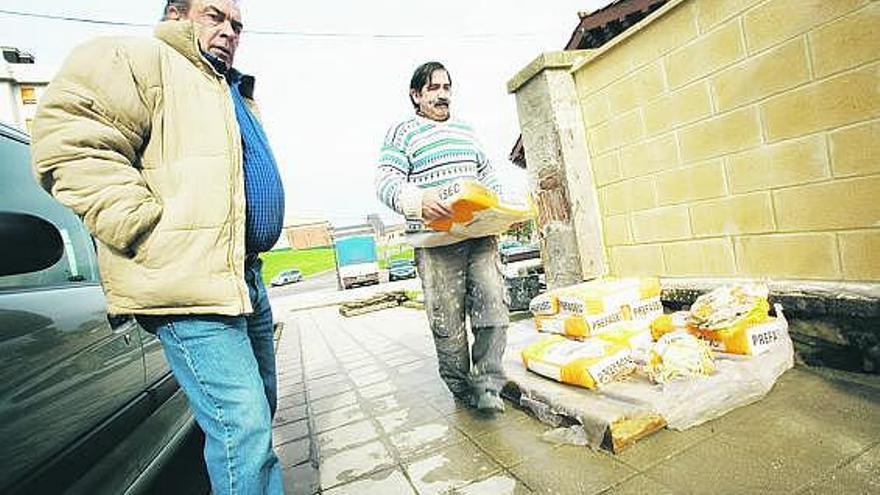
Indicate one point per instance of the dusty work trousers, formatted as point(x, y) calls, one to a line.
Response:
point(464, 280)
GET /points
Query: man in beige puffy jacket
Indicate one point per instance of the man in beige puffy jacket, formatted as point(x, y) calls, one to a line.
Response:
point(156, 144)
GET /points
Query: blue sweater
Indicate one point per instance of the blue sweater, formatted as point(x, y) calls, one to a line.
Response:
point(264, 193)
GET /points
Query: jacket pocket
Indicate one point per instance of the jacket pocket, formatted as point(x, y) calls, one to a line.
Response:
point(142, 246)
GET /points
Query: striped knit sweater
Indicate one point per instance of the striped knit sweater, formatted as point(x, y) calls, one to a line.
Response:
point(419, 153)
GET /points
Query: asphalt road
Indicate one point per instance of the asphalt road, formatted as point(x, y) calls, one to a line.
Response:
point(325, 281)
point(321, 282)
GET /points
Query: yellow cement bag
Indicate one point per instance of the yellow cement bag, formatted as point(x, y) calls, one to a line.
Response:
point(664, 324)
point(476, 212)
point(644, 310)
point(591, 308)
point(547, 304)
point(746, 337)
point(634, 335)
point(734, 319)
point(729, 306)
point(550, 324)
point(606, 295)
point(544, 304)
point(586, 326)
point(578, 327)
point(590, 364)
point(679, 355)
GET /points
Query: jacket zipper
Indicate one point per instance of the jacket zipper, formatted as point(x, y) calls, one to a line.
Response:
point(236, 170)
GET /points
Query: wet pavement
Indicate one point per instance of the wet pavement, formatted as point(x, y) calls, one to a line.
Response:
point(362, 410)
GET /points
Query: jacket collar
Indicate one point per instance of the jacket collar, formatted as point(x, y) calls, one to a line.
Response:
point(182, 36)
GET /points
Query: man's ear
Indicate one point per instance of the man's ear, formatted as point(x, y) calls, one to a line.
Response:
point(414, 96)
point(173, 13)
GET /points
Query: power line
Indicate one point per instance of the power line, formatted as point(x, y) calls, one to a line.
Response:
point(291, 33)
point(72, 19)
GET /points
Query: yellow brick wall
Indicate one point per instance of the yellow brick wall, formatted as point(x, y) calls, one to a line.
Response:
point(739, 138)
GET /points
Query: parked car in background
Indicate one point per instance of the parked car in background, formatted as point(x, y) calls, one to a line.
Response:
point(523, 272)
point(508, 243)
point(400, 269)
point(512, 251)
point(287, 277)
point(87, 402)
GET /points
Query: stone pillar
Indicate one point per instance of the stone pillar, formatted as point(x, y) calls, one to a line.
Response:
point(558, 165)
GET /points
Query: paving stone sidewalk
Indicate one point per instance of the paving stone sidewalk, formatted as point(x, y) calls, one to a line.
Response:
point(362, 410)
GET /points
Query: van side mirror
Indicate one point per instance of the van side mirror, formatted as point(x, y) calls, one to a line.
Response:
point(27, 243)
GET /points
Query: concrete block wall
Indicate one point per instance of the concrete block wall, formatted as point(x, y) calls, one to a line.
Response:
point(739, 138)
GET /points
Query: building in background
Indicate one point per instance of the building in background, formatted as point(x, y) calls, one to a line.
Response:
point(395, 233)
point(22, 83)
point(386, 233)
point(307, 233)
point(378, 225)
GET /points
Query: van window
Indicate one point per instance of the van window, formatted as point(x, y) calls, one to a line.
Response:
point(19, 192)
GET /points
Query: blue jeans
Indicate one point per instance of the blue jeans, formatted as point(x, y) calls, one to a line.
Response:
point(226, 367)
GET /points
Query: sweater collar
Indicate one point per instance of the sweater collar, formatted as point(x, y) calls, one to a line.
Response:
point(425, 120)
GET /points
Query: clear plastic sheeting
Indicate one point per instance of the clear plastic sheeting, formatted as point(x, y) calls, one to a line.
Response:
point(737, 381)
point(571, 435)
point(541, 410)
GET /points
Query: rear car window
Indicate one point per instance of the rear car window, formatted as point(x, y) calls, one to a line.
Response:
point(19, 192)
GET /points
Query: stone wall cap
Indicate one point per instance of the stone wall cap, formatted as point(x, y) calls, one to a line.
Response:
point(560, 60)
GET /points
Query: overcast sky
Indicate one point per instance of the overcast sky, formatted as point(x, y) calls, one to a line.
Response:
point(330, 86)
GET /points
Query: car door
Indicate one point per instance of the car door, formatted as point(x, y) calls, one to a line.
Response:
point(154, 358)
point(66, 367)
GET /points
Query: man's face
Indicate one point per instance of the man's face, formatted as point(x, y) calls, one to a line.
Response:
point(433, 98)
point(220, 26)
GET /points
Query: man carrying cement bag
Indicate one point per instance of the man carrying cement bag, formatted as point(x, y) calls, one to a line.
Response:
point(462, 277)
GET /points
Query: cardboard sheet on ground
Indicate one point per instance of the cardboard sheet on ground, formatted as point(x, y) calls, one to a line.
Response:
point(738, 381)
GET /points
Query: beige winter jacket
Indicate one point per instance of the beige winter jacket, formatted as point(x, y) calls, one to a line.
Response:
point(139, 137)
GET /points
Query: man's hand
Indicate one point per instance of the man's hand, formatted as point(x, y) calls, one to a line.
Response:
point(433, 208)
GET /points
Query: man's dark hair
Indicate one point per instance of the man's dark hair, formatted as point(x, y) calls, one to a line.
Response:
point(182, 6)
point(422, 76)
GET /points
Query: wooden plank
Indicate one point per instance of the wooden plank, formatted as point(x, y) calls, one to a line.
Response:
point(348, 312)
point(627, 431)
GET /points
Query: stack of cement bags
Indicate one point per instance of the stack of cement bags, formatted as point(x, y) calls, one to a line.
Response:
point(610, 328)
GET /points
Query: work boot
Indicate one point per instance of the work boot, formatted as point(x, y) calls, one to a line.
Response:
point(464, 397)
point(490, 402)
point(464, 400)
